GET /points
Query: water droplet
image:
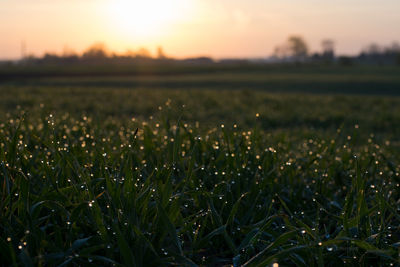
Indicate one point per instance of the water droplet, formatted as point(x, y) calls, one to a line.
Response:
point(329, 249)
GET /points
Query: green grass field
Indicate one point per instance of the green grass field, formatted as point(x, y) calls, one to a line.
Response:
point(207, 169)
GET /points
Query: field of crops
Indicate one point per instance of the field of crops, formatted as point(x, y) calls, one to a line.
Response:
point(137, 176)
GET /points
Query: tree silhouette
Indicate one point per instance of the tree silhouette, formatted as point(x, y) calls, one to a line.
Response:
point(96, 51)
point(328, 46)
point(298, 48)
point(160, 53)
point(143, 53)
point(295, 48)
point(328, 50)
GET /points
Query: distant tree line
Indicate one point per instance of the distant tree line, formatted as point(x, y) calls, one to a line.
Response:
point(99, 54)
point(294, 50)
point(376, 54)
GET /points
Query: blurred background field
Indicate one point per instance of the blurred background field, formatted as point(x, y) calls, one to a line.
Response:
point(318, 99)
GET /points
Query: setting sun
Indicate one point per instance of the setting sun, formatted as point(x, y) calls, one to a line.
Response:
point(145, 18)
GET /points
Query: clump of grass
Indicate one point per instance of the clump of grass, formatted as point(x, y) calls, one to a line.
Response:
point(76, 191)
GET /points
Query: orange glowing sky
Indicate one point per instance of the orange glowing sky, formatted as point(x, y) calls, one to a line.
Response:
point(217, 28)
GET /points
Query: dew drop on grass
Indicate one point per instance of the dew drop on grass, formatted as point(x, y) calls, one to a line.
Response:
point(9, 239)
point(329, 249)
point(303, 232)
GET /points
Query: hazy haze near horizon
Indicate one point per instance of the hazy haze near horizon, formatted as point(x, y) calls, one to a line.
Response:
point(217, 28)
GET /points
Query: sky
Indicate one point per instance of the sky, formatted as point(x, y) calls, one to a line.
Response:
point(187, 28)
